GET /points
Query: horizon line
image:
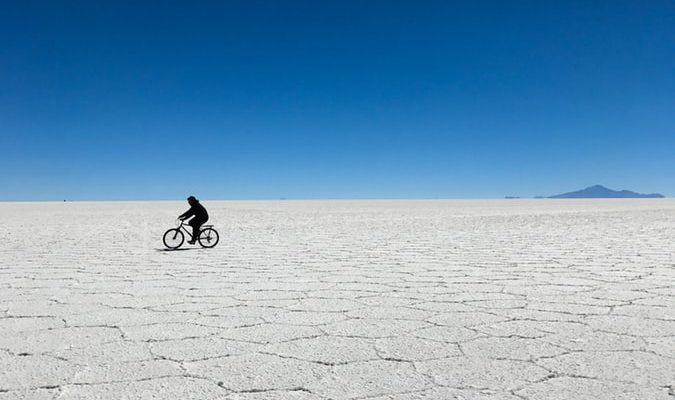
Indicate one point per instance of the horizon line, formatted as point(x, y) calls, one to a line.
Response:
point(330, 199)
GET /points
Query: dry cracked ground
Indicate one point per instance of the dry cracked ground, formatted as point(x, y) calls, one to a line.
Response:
point(399, 300)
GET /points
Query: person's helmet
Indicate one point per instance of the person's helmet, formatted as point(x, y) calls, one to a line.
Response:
point(191, 200)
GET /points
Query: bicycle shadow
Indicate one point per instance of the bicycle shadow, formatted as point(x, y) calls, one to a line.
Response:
point(180, 249)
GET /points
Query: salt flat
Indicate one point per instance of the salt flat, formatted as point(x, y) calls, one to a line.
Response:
point(305, 300)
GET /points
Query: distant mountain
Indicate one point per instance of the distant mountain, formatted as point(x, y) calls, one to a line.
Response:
point(601, 192)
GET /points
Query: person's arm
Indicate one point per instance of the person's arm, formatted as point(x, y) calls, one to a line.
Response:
point(188, 213)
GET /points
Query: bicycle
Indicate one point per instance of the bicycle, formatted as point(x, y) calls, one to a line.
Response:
point(174, 237)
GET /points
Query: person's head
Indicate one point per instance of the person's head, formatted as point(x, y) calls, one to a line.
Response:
point(192, 200)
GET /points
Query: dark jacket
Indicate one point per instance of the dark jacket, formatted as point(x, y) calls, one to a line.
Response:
point(198, 211)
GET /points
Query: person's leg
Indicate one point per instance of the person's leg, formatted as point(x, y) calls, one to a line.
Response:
point(195, 231)
point(196, 224)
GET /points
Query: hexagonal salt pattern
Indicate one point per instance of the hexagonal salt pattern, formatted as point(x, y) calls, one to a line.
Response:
point(317, 300)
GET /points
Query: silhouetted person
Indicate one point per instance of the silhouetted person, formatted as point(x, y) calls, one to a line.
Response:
point(200, 216)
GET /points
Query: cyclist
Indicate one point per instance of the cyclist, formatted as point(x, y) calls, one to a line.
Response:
point(200, 216)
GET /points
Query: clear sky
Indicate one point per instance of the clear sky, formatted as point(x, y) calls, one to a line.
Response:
point(334, 99)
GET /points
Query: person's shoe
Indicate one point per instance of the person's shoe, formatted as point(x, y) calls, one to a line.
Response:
point(192, 241)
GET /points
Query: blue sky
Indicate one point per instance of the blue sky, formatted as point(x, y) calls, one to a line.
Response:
point(334, 99)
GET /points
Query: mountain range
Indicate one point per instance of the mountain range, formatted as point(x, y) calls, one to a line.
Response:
point(601, 192)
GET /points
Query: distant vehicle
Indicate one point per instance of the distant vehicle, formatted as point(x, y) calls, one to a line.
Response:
point(174, 237)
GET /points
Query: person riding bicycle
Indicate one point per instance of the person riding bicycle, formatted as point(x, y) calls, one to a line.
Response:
point(200, 216)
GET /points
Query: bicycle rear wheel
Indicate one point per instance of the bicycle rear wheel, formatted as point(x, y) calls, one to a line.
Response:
point(208, 237)
point(173, 238)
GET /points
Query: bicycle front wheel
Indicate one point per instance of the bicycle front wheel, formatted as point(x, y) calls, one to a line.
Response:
point(208, 237)
point(173, 238)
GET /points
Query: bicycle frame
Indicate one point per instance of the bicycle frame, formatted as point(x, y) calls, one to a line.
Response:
point(207, 236)
point(183, 228)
